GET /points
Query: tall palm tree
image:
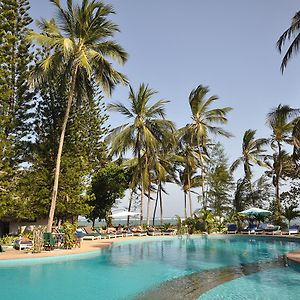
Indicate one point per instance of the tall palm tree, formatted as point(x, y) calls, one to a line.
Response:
point(204, 121)
point(164, 171)
point(291, 34)
point(143, 135)
point(188, 157)
point(281, 121)
point(252, 153)
point(79, 45)
point(296, 140)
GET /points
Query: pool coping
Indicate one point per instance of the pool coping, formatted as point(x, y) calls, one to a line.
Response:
point(90, 248)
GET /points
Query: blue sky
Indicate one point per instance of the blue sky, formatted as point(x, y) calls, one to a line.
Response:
point(228, 45)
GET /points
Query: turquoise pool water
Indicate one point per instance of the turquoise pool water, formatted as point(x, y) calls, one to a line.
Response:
point(127, 269)
point(268, 285)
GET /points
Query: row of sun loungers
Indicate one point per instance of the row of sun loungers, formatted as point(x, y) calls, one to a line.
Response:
point(263, 229)
point(86, 233)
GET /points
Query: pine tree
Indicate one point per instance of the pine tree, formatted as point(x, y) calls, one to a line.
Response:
point(219, 180)
point(84, 149)
point(15, 100)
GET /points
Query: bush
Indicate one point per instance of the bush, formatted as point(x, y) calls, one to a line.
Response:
point(8, 240)
point(70, 239)
point(38, 240)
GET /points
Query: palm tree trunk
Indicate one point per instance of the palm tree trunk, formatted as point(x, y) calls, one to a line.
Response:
point(142, 201)
point(185, 209)
point(203, 191)
point(141, 177)
point(160, 204)
point(279, 171)
point(59, 152)
point(202, 177)
point(190, 198)
point(148, 205)
point(277, 195)
point(155, 207)
point(129, 206)
point(149, 192)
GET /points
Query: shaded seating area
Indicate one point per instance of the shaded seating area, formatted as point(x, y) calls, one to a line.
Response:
point(232, 228)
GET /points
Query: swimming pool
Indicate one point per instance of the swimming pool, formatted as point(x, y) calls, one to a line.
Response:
point(141, 268)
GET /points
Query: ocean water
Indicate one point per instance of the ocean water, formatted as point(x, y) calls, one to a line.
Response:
point(133, 222)
point(127, 269)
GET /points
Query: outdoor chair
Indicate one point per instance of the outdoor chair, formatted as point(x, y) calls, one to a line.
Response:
point(169, 231)
point(127, 233)
point(23, 243)
point(49, 241)
point(231, 228)
point(88, 234)
point(273, 229)
point(261, 228)
point(138, 231)
point(152, 231)
point(250, 229)
point(293, 229)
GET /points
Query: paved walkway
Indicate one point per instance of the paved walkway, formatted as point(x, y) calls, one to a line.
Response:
point(86, 246)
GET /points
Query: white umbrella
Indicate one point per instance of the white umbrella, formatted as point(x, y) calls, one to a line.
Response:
point(124, 214)
point(255, 211)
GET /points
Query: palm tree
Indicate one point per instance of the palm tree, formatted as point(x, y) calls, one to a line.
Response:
point(143, 135)
point(79, 44)
point(280, 120)
point(164, 171)
point(296, 140)
point(291, 213)
point(204, 121)
point(187, 157)
point(252, 153)
point(291, 34)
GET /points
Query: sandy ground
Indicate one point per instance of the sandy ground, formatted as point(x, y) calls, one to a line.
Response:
point(90, 246)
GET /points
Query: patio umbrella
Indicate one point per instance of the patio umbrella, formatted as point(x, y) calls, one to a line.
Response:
point(124, 214)
point(255, 211)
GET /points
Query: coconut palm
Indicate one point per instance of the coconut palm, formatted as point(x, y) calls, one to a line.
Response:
point(281, 121)
point(79, 45)
point(278, 165)
point(252, 153)
point(188, 157)
point(204, 121)
point(291, 34)
point(296, 140)
point(164, 171)
point(143, 135)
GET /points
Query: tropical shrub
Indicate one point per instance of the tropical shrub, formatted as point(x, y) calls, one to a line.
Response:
point(8, 240)
point(37, 237)
point(70, 239)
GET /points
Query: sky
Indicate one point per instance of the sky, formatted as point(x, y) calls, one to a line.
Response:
point(228, 45)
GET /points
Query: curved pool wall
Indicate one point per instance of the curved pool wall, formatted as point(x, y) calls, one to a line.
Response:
point(128, 268)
